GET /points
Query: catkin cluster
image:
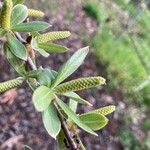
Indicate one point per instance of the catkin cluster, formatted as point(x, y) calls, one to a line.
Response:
point(50, 36)
point(80, 84)
point(6, 14)
point(35, 13)
point(4, 86)
point(105, 110)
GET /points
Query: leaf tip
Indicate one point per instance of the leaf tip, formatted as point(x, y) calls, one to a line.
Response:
point(89, 104)
point(95, 134)
point(87, 48)
point(113, 108)
point(102, 81)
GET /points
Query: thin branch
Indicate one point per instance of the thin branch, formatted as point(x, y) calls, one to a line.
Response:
point(32, 65)
point(73, 145)
point(19, 37)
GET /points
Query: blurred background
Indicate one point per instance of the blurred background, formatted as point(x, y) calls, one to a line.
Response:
point(118, 33)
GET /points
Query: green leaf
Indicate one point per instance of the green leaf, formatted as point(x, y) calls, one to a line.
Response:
point(51, 121)
point(33, 73)
point(43, 52)
point(33, 84)
point(37, 48)
point(71, 65)
point(15, 2)
point(30, 26)
point(45, 76)
point(74, 117)
point(17, 48)
point(104, 110)
point(73, 105)
point(19, 14)
point(2, 32)
point(15, 62)
point(94, 121)
point(42, 98)
point(53, 48)
point(61, 139)
point(27, 147)
point(77, 98)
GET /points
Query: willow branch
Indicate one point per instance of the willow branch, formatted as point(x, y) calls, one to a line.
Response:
point(72, 144)
point(32, 65)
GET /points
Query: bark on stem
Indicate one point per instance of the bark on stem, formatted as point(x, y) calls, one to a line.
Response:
point(72, 144)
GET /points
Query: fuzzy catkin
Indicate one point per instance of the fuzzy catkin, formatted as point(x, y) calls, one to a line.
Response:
point(105, 110)
point(80, 84)
point(50, 36)
point(35, 13)
point(4, 86)
point(6, 14)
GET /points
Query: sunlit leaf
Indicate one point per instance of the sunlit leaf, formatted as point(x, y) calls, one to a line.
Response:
point(51, 121)
point(94, 121)
point(15, 62)
point(42, 98)
point(30, 26)
point(77, 98)
point(45, 77)
point(73, 105)
point(27, 147)
point(52, 48)
point(16, 47)
point(19, 14)
point(74, 117)
point(43, 52)
point(37, 48)
point(71, 65)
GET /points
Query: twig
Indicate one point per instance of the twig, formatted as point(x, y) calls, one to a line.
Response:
point(32, 65)
point(72, 144)
point(19, 37)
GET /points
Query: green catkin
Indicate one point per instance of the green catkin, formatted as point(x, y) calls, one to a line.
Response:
point(80, 84)
point(105, 110)
point(50, 36)
point(6, 14)
point(4, 86)
point(35, 13)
